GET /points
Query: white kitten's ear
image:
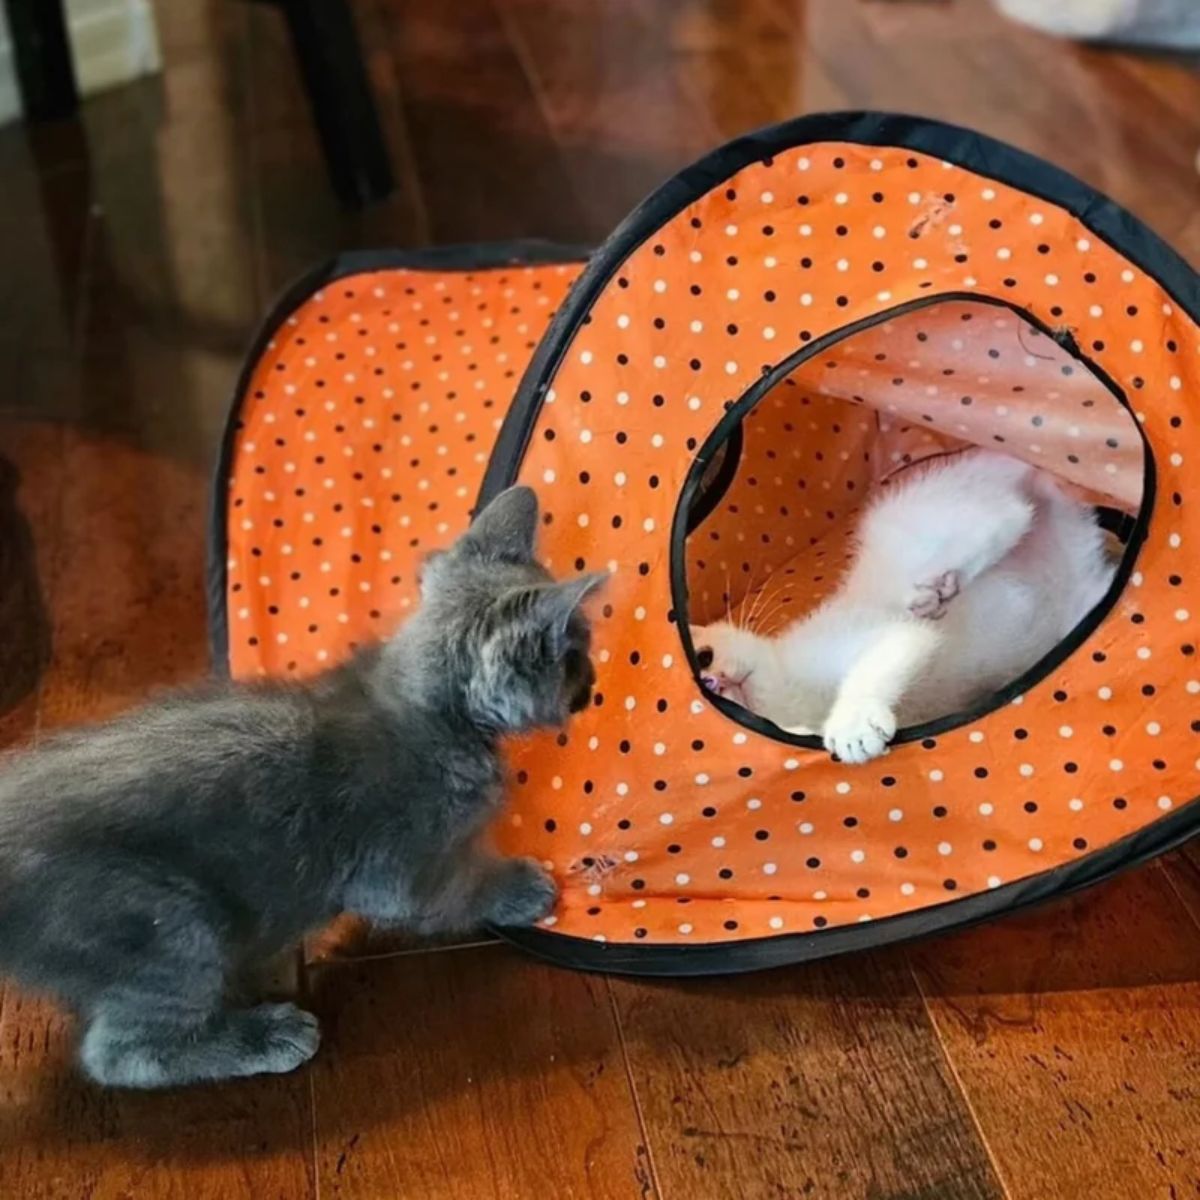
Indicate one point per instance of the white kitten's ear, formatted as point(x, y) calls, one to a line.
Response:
point(505, 531)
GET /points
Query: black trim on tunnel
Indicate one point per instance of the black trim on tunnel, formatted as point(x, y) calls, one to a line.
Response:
point(682, 526)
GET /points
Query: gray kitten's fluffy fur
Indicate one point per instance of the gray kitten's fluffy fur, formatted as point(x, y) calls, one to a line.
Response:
point(146, 864)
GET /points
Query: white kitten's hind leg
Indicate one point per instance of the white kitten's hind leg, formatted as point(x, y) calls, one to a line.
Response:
point(863, 719)
point(923, 542)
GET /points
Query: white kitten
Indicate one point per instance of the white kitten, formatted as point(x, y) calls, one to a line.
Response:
point(968, 571)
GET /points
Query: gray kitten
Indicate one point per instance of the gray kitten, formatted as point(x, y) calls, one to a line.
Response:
point(146, 864)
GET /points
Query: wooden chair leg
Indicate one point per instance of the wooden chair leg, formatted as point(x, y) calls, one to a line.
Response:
point(335, 77)
point(45, 69)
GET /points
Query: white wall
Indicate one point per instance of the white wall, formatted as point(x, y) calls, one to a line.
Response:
point(113, 41)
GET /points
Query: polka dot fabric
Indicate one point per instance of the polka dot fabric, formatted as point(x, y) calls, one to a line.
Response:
point(363, 433)
point(668, 824)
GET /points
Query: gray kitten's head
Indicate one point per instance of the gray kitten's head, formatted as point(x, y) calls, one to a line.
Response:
point(496, 636)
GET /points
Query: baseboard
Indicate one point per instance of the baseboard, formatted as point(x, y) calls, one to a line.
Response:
point(113, 41)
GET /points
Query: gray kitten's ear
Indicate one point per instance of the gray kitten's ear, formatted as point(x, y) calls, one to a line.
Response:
point(557, 601)
point(506, 529)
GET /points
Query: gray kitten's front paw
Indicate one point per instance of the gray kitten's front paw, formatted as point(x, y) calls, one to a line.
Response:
point(521, 894)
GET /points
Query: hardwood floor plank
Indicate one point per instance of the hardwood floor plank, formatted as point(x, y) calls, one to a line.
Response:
point(472, 1073)
point(825, 1081)
point(488, 165)
point(1075, 1033)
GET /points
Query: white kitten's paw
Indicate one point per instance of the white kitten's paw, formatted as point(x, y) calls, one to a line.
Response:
point(859, 731)
point(931, 598)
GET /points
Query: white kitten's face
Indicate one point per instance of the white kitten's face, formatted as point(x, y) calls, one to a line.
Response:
point(728, 658)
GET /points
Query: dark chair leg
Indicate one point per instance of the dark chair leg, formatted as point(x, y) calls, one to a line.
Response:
point(340, 94)
point(45, 70)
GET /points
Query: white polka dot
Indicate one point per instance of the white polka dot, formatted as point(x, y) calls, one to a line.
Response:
point(660, 285)
point(841, 198)
point(802, 164)
point(820, 895)
point(843, 264)
point(1052, 281)
point(548, 476)
point(1182, 614)
point(631, 856)
point(622, 789)
point(790, 764)
point(945, 849)
point(1165, 802)
point(842, 788)
point(876, 164)
point(1075, 805)
point(697, 327)
point(1036, 218)
point(879, 231)
point(733, 294)
point(907, 889)
point(920, 263)
point(767, 198)
point(1193, 687)
point(731, 230)
point(695, 256)
point(857, 856)
point(988, 193)
point(622, 397)
point(718, 842)
point(1035, 844)
point(701, 779)
point(666, 818)
point(585, 828)
point(936, 775)
point(548, 921)
point(1174, 541)
point(1116, 765)
point(639, 904)
point(776, 922)
point(648, 524)
point(896, 814)
point(769, 333)
point(685, 928)
point(769, 868)
point(585, 436)
point(1153, 728)
point(660, 361)
point(668, 661)
point(683, 879)
point(739, 739)
point(993, 881)
point(986, 809)
point(1026, 769)
point(556, 782)
point(594, 889)
point(1144, 652)
point(805, 827)
point(731, 368)
point(754, 804)
point(1175, 383)
point(1105, 693)
point(1065, 731)
point(975, 736)
point(585, 357)
point(914, 197)
point(806, 299)
point(623, 321)
point(583, 520)
point(1004, 253)
point(1137, 345)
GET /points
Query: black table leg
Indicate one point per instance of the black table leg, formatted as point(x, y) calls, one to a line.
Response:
point(45, 70)
point(340, 94)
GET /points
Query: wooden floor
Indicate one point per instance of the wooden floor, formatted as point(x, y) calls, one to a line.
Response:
point(1054, 1056)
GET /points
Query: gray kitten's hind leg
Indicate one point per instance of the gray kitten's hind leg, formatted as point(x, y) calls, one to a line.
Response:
point(122, 1050)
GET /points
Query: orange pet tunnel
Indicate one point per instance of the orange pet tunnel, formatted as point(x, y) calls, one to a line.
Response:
point(702, 407)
